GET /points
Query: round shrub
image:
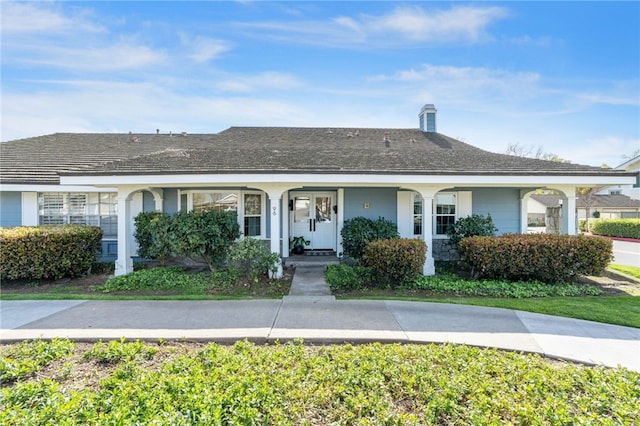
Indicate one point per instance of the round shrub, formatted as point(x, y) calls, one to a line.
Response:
point(357, 232)
point(395, 261)
point(253, 258)
point(470, 226)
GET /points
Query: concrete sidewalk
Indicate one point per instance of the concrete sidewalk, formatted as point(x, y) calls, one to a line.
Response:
point(322, 319)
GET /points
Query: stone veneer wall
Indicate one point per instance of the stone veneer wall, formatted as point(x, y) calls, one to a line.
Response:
point(444, 250)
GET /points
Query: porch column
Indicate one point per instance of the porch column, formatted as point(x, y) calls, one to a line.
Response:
point(285, 225)
point(569, 215)
point(124, 263)
point(275, 214)
point(429, 267)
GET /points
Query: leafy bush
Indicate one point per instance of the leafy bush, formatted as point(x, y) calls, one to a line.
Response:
point(536, 257)
point(470, 226)
point(205, 234)
point(169, 278)
point(253, 258)
point(395, 261)
point(357, 232)
point(103, 267)
point(452, 284)
point(29, 356)
point(344, 277)
point(41, 252)
point(119, 351)
point(154, 235)
point(625, 228)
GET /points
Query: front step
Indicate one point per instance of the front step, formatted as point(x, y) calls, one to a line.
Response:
point(303, 260)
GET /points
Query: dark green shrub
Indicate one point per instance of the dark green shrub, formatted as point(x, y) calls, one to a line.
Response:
point(344, 277)
point(42, 252)
point(205, 234)
point(625, 228)
point(154, 235)
point(253, 258)
point(103, 267)
point(536, 257)
point(395, 261)
point(357, 232)
point(162, 278)
point(471, 226)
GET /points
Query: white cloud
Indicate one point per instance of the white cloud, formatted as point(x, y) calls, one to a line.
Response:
point(261, 81)
point(119, 55)
point(402, 26)
point(204, 49)
point(467, 23)
point(25, 18)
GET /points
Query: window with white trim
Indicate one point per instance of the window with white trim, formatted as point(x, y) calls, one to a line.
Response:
point(417, 214)
point(90, 208)
point(249, 205)
point(445, 214)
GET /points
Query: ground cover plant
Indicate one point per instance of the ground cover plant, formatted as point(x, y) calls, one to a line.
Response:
point(180, 383)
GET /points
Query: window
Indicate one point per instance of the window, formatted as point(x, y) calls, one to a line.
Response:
point(248, 204)
point(218, 201)
point(93, 208)
point(417, 215)
point(445, 212)
point(252, 215)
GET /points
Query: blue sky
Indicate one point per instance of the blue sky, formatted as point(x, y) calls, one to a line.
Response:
point(564, 76)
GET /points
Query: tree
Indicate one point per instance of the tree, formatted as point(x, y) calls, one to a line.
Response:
point(533, 152)
point(587, 195)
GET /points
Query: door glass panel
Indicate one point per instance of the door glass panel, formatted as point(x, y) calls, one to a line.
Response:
point(323, 209)
point(301, 211)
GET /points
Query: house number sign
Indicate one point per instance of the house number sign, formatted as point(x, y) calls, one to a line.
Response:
point(274, 210)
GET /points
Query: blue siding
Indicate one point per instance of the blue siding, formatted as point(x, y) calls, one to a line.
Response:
point(148, 203)
point(10, 209)
point(502, 203)
point(382, 203)
point(170, 201)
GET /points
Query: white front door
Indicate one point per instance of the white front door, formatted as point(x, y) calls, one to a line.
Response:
point(313, 217)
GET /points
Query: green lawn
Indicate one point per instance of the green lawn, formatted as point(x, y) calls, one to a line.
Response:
point(620, 310)
point(634, 271)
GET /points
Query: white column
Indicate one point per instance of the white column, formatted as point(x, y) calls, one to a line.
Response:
point(340, 221)
point(30, 209)
point(285, 224)
point(429, 267)
point(124, 263)
point(524, 207)
point(569, 216)
point(276, 216)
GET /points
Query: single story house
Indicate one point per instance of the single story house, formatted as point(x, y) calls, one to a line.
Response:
point(282, 182)
point(607, 206)
point(632, 191)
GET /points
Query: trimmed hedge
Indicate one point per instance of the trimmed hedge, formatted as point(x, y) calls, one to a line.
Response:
point(536, 257)
point(625, 228)
point(43, 252)
point(395, 261)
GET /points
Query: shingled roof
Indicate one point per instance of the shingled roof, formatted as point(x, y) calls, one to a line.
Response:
point(597, 201)
point(264, 150)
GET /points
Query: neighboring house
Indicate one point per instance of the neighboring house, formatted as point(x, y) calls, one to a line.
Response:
point(603, 206)
point(632, 191)
point(283, 182)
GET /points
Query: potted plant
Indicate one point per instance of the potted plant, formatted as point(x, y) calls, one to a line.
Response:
point(297, 244)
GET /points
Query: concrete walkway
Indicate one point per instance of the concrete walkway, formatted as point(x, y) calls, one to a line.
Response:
point(320, 319)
